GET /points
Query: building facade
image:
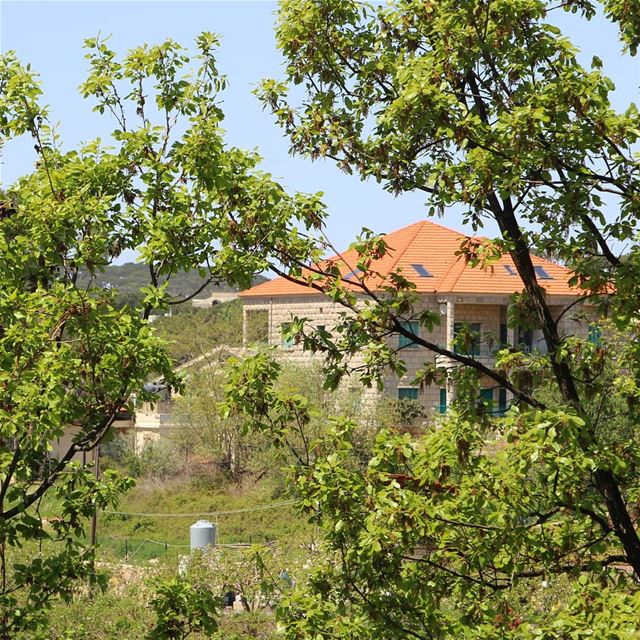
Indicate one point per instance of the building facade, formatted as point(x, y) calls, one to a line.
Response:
point(478, 299)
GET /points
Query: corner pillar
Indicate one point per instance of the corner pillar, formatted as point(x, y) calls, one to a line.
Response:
point(451, 320)
point(511, 340)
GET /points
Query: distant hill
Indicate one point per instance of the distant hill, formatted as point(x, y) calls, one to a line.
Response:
point(129, 278)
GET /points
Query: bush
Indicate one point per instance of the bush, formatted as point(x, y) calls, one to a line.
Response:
point(118, 452)
point(161, 459)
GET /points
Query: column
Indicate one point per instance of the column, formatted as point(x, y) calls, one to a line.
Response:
point(511, 331)
point(511, 339)
point(451, 319)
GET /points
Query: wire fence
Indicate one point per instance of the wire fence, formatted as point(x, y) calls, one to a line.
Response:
point(126, 548)
point(202, 514)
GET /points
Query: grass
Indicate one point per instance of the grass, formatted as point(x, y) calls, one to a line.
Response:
point(119, 534)
point(105, 616)
point(123, 610)
point(137, 539)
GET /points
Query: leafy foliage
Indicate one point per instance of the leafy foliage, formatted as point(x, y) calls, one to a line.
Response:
point(168, 188)
point(199, 333)
point(129, 278)
point(258, 576)
point(182, 609)
point(483, 104)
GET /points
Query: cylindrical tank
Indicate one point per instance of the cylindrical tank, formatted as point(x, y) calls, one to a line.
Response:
point(202, 534)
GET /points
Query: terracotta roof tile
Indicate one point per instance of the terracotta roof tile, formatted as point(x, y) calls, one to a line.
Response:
point(427, 247)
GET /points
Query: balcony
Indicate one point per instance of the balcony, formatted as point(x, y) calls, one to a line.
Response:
point(484, 356)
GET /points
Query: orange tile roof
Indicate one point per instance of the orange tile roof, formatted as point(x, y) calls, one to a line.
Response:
point(434, 247)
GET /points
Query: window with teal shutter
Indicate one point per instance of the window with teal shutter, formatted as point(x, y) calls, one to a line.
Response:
point(443, 401)
point(502, 401)
point(409, 393)
point(408, 343)
point(486, 395)
point(485, 400)
point(595, 335)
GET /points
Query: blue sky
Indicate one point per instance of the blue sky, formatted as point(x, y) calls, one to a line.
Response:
point(49, 35)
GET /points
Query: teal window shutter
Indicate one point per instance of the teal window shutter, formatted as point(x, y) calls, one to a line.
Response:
point(443, 401)
point(409, 393)
point(486, 395)
point(485, 400)
point(502, 401)
point(595, 335)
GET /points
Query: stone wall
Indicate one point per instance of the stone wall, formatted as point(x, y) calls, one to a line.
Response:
point(489, 311)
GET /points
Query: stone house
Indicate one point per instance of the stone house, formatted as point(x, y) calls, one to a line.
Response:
point(426, 253)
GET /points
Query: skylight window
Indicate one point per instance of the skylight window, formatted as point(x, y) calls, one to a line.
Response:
point(542, 274)
point(509, 269)
point(422, 271)
point(352, 274)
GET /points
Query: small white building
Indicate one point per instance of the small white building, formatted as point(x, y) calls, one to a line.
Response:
point(123, 424)
point(218, 297)
point(155, 421)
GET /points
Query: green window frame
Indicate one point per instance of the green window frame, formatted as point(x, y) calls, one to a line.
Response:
point(408, 393)
point(442, 408)
point(408, 343)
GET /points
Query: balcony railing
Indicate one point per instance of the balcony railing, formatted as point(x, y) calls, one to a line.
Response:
point(485, 356)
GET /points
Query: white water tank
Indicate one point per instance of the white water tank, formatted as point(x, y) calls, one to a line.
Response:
point(203, 534)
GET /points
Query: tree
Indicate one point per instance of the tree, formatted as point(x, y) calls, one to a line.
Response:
point(168, 188)
point(182, 609)
point(202, 430)
point(484, 104)
point(257, 576)
point(198, 333)
point(226, 439)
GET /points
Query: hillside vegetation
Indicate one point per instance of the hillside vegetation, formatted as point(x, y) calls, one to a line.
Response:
point(129, 278)
point(195, 332)
point(253, 523)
